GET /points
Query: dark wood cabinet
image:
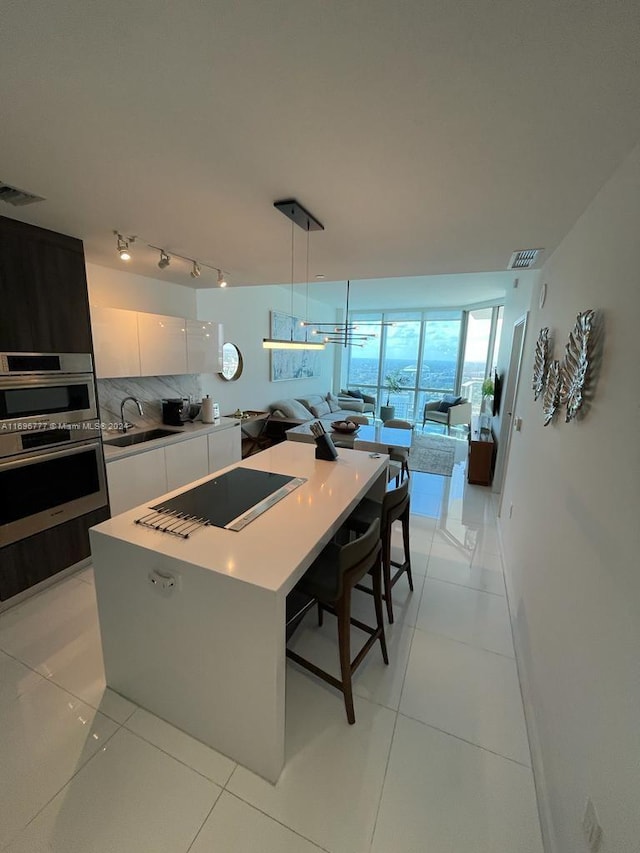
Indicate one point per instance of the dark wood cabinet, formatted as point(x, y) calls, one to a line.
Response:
point(43, 291)
point(24, 564)
point(482, 454)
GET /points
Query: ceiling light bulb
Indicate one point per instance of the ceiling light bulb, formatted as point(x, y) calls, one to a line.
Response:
point(222, 281)
point(123, 247)
point(195, 272)
point(165, 260)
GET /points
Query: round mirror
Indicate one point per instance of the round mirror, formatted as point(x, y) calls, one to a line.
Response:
point(231, 362)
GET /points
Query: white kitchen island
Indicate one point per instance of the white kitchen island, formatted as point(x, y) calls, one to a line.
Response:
point(207, 653)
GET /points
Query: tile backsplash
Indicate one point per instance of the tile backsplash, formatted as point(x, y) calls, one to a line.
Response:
point(150, 390)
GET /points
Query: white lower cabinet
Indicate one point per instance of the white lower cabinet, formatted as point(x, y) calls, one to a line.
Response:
point(186, 461)
point(136, 479)
point(145, 476)
point(225, 448)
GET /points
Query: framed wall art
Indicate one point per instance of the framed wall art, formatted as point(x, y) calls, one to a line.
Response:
point(292, 364)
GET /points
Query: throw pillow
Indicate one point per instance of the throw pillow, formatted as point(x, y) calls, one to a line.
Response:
point(447, 401)
point(321, 410)
point(334, 403)
point(357, 394)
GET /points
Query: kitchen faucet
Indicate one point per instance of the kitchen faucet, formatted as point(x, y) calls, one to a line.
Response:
point(125, 425)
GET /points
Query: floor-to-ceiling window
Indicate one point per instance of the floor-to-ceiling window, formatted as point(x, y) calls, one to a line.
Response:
point(430, 353)
point(482, 340)
point(421, 350)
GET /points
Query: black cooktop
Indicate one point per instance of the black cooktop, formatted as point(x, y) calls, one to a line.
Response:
point(231, 496)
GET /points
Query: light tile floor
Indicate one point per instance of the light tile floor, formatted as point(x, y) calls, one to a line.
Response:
point(437, 761)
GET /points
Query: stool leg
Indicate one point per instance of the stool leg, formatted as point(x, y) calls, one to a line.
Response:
point(377, 600)
point(405, 541)
point(386, 571)
point(343, 612)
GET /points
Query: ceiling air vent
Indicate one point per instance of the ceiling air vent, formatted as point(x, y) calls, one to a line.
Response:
point(16, 197)
point(523, 259)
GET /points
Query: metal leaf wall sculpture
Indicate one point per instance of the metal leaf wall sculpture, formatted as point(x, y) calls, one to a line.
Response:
point(575, 365)
point(541, 362)
point(551, 396)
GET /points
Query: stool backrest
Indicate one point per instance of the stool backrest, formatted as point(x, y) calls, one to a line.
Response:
point(357, 557)
point(394, 504)
point(358, 419)
point(396, 423)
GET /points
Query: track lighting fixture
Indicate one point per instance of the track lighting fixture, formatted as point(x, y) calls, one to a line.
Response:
point(123, 246)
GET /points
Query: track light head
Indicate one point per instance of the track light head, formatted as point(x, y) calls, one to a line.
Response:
point(222, 279)
point(123, 246)
point(195, 270)
point(165, 260)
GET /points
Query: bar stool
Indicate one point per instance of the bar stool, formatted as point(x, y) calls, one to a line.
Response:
point(399, 454)
point(395, 506)
point(329, 582)
point(363, 420)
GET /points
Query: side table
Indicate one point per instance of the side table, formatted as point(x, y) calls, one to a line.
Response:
point(482, 450)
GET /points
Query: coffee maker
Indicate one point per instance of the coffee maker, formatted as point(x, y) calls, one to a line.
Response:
point(175, 411)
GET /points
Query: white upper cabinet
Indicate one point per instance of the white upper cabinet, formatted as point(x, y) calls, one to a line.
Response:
point(133, 343)
point(204, 346)
point(163, 345)
point(115, 342)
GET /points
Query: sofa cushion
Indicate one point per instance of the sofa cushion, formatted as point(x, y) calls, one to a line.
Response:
point(447, 401)
point(334, 403)
point(321, 409)
point(291, 409)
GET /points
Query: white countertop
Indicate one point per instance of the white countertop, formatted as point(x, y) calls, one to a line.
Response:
point(275, 549)
point(190, 430)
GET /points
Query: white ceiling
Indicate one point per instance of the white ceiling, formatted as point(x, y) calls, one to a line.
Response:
point(429, 136)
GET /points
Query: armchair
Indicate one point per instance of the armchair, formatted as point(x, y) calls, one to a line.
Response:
point(455, 415)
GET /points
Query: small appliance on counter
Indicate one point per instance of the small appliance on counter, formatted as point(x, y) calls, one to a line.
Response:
point(178, 410)
point(210, 410)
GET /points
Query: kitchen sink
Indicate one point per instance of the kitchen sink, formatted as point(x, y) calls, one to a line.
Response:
point(139, 437)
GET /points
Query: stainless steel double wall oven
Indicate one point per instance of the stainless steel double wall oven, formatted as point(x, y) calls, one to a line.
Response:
point(51, 462)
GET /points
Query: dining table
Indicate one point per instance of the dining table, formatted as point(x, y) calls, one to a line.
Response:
point(369, 437)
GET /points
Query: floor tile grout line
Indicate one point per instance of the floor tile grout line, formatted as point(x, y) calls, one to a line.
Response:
point(463, 643)
point(67, 782)
point(395, 724)
point(275, 819)
point(465, 740)
point(175, 757)
point(207, 816)
point(464, 586)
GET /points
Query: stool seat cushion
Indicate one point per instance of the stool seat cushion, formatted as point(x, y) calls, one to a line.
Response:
point(321, 580)
point(364, 513)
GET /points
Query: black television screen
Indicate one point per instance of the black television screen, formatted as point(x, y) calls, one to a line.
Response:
point(497, 392)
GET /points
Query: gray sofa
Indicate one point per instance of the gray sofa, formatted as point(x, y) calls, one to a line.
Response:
point(322, 406)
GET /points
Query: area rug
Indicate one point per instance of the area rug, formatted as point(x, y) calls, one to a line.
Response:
point(433, 454)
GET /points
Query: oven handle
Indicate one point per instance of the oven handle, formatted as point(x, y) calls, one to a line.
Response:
point(80, 447)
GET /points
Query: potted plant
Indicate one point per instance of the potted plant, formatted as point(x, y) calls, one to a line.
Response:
point(487, 393)
point(394, 382)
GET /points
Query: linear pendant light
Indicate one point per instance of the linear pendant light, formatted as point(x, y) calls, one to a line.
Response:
point(301, 217)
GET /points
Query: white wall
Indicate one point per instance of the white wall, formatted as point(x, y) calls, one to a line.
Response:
point(572, 546)
point(516, 305)
point(244, 311)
